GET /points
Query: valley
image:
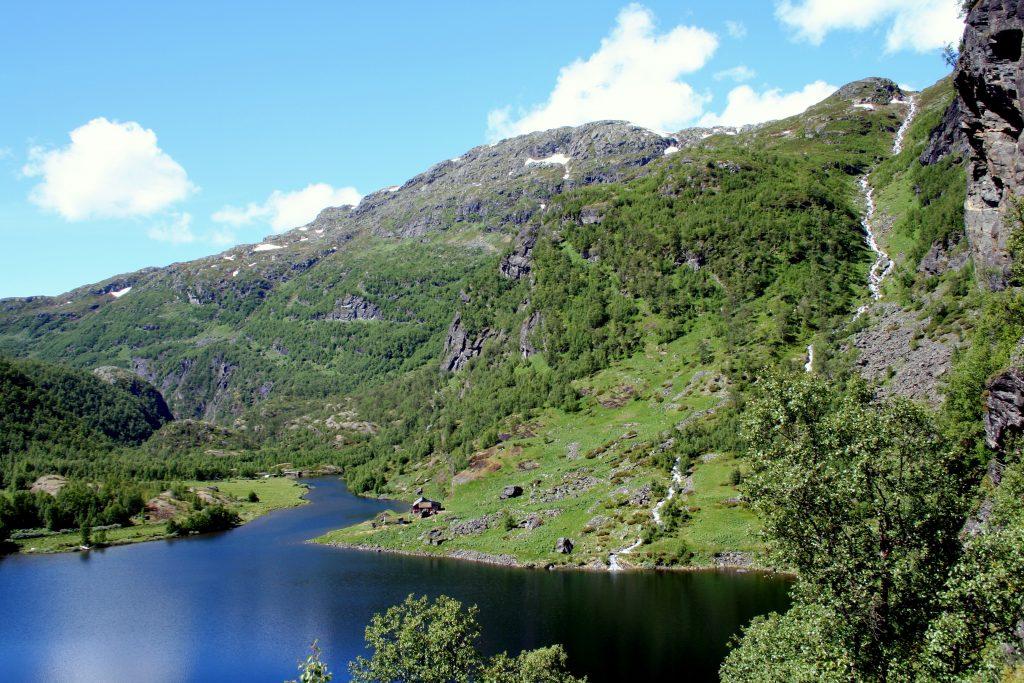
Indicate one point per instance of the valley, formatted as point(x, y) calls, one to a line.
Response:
point(735, 402)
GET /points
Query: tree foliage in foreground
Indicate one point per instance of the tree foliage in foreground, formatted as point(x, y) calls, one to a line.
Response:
point(438, 642)
point(864, 501)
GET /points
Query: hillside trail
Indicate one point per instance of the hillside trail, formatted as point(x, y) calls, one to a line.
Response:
point(883, 265)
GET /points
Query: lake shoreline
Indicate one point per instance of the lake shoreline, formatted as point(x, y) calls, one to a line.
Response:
point(505, 560)
point(147, 532)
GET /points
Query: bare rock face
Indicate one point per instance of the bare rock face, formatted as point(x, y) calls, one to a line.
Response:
point(501, 185)
point(947, 138)
point(943, 257)
point(157, 411)
point(873, 90)
point(987, 80)
point(563, 545)
point(1004, 407)
point(459, 348)
point(517, 265)
point(526, 347)
point(352, 307)
point(48, 483)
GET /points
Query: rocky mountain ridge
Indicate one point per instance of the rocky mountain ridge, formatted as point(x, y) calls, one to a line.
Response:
point(215, 335)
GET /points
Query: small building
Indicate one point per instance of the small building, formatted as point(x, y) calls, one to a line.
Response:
point(424, 507)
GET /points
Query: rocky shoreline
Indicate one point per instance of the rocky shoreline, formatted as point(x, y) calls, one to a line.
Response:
point(729, 565)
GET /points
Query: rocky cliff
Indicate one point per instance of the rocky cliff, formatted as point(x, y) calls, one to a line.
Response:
point(1004, 407)
point(988, 81)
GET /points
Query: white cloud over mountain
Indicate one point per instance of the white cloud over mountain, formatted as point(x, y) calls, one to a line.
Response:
point(286, 210)
point(108, 170)
point(177, 231)
point(634, 75)
point(746, 105)
point(919, 25)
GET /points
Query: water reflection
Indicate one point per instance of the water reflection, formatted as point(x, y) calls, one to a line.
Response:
point(245, 604)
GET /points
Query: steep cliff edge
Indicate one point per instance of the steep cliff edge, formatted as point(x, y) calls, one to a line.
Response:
point(988, 81)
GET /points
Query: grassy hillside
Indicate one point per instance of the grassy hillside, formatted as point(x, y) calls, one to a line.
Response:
point(652, 287)
point(688, 283)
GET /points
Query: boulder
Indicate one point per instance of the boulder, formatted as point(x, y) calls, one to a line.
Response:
point(433, 537)
point(563, 545)
point(532, 521)
point(511, 492)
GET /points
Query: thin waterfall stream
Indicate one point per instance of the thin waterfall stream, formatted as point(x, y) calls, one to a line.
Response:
point(883, 265)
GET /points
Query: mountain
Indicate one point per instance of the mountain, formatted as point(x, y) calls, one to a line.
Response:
point(581, 343)
point(361, 294)
point(572, 312)
point(220, 334)
point(52, 408)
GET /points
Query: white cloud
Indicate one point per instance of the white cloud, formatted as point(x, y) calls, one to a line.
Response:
point(737, 73)
point(223, 237)
point(634, 75)
point(178, 231)
point(745, 105)
point(736, 29)
point(919, 25)
point(286, 210)
point(109, 170)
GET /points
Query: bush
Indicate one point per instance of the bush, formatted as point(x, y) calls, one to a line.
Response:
point(211, 518)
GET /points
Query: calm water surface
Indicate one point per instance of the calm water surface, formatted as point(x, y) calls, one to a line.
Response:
point(244, 606)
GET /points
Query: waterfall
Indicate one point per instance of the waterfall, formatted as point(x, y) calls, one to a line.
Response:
point(676, 485)
point(883, 265)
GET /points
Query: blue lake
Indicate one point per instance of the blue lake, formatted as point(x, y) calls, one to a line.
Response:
point(244, 606)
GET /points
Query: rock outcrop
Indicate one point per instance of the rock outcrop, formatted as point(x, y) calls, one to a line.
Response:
point(1004, 407)
point(459, 348)
point(517, 264)
point(872, 90)
point(351, 307)
point(947, 138)
point(943, 257)
point(526, 330)
point(988, 82)
point(157, 410)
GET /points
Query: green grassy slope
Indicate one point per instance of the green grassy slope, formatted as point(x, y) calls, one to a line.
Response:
point(771, 217)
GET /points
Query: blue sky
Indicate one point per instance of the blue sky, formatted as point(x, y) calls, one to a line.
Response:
point(202, 124)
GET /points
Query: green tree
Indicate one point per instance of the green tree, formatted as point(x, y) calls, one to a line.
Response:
point(314, 669)
point(543, 665)
point(984, 599)
point(86, 532)
point(437, 642)
point(420, 640)
point(804, 645)
point(864, 500)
